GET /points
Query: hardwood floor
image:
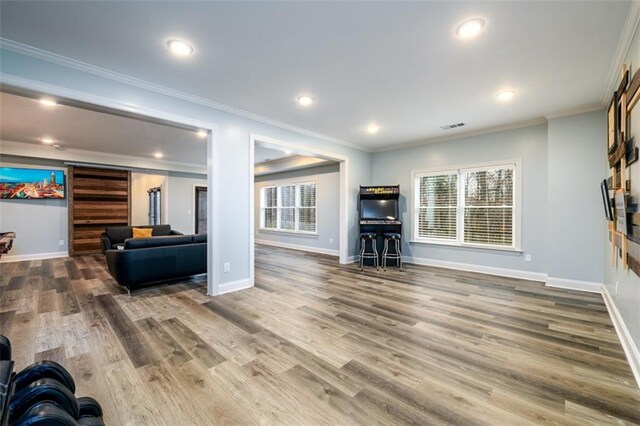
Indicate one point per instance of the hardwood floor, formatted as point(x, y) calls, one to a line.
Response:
point(319, 343)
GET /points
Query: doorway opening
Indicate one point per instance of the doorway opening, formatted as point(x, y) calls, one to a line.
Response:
point(135, 142)
point(298, 198)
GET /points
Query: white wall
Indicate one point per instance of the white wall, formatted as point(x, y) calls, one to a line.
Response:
point(140, 183)
point(39, 224)
point(327, 180)
point(527, 144)
point(182, 200)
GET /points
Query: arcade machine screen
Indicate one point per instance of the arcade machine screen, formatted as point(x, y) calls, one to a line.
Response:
point(379, 209)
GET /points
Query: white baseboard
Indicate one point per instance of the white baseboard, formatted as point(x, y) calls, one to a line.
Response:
point(503, 272)
point(630, 348)
point(234, 286)
point(352, 259)
point(37, 256)
point(299, 247)
point(589, 286)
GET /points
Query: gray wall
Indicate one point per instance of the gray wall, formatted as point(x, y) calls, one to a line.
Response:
point(627, 298)
point(39, 224)
point(327, 201)
point(182, 199)
point(528, 144)
point(577, 228)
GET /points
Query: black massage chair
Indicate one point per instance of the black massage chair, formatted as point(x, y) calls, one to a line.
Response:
point(42, 394)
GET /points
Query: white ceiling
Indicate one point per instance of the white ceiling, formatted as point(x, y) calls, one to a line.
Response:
point(263, 154)
point(26, 120)
point(398, 63)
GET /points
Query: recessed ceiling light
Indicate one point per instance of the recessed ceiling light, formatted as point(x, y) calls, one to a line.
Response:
point(373, 128)
point(158, 155)
point(180, 47)
point(505, 95)
point(288, 152)
point(48, 102)
point(305, 100)
point(202, 134)
point(470, 28)
point(47, 140)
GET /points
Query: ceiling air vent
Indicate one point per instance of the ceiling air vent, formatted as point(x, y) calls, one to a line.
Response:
point(451, 126)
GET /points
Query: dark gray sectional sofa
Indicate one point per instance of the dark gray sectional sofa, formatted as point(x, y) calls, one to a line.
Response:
point(145, 261)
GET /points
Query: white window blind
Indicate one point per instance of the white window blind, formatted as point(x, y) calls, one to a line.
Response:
point(473, 206)
point(488, 207)
point(307, 207)
point(438, 206)
point(270, 207)
point(289, 207)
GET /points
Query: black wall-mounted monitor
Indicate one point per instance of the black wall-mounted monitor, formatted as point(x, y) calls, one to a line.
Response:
point(379, 209)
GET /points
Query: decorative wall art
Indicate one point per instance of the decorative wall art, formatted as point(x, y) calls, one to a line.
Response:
point(624, 231)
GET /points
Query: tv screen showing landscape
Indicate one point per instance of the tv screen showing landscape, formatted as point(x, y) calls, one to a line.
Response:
point(18, 183)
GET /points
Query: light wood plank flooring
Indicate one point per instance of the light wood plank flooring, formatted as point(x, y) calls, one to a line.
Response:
point(319, 343)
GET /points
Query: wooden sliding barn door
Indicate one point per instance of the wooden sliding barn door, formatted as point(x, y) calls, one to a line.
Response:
point(97, 198)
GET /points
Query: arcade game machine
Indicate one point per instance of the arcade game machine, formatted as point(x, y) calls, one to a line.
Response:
point(379, 216)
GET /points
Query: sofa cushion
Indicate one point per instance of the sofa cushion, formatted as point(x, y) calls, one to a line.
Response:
point(169, 240)
point(142, 232)
point(200, 238)
point(117, 234)
point(161, 230)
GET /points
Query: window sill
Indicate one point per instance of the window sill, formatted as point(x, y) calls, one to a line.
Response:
point(285, 231)
point(467, 246)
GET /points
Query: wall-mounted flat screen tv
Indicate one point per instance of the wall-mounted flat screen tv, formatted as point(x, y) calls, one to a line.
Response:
point(31, 184)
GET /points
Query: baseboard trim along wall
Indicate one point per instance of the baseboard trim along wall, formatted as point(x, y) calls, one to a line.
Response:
point(36, 256)
point(330, 252)
point(234, 286)
point(630, 349)
point(588, 286)
point(490, 270)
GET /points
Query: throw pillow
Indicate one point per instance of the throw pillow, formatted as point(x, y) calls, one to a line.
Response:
point(142, 232)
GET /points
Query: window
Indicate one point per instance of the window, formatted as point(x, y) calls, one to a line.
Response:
point(470, 206)
point(289, 207)
point(201, 210)
point(155, 205)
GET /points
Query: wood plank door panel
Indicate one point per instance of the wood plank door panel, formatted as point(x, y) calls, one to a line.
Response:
point(97, 198)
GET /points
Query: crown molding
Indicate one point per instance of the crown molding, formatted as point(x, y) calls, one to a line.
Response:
point(485, 131)
point(23, 149)
point(574, 111)
point(44, 55)
point(628, 32)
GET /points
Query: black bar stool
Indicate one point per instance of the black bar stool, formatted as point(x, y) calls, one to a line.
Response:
point(364, 237)
point(397, 255)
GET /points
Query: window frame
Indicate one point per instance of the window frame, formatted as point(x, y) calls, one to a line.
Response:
point(279, 185)
point(461, 170)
